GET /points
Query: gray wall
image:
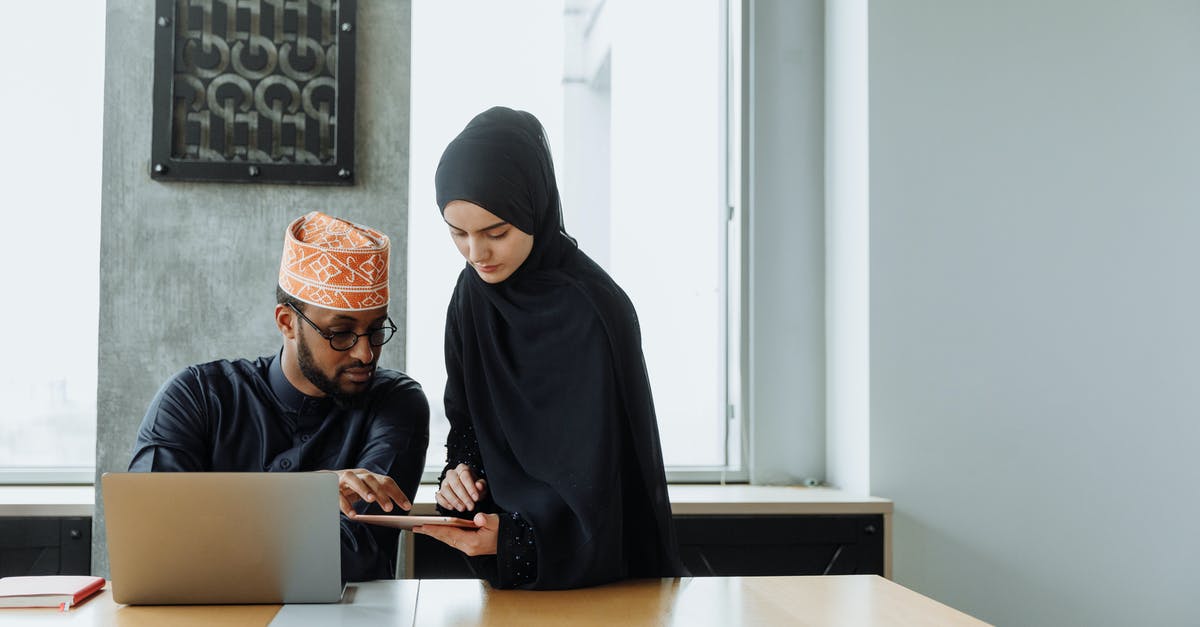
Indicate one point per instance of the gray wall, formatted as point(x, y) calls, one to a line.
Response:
point(187, 270)
point(1035, 412)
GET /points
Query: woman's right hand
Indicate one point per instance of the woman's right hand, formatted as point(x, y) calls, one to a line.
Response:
point(460, 490)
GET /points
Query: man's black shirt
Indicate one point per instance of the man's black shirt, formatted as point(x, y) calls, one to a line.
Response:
point(244, 416)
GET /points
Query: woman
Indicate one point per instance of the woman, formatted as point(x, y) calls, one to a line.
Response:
point(553, 441)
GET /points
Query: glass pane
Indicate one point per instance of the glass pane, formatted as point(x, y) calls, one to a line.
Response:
point(52, 161)
point(645, 126)
point(631, 96)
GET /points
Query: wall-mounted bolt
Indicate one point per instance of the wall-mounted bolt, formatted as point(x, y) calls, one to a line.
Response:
point(347, 27)
point(160, 168)
point(344, 173)
point(164, 21)
point(253, 170)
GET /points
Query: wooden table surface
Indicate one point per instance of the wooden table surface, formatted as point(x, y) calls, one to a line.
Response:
point(835, 600)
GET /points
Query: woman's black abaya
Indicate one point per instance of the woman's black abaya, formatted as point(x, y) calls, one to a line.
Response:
point(547, 392)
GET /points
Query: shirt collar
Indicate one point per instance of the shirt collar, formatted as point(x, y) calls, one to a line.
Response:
point(290, 398)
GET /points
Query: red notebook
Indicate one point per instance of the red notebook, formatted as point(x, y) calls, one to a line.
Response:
point(61, 591)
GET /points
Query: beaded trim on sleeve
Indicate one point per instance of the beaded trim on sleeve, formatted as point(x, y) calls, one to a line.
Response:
point(517, 551)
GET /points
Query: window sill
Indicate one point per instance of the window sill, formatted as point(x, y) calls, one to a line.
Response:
point(47, 500)
point(686, 499)
point(705, 499)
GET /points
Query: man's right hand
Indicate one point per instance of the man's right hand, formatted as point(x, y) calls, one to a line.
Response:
point(460, 490)
point(360, 484)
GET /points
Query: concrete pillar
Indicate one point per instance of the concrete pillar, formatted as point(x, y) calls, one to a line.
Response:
point(188, 270)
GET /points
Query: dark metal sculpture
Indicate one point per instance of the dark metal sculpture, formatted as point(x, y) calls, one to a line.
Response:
point(254, 91)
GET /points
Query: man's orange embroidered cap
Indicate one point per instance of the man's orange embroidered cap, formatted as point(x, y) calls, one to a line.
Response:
point(335, 264)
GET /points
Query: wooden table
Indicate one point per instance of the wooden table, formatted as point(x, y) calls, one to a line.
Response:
point(844, 600)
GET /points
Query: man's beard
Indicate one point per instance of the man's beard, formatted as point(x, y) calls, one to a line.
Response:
point(308, 368)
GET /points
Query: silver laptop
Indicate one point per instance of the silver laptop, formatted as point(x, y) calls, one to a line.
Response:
point(223, 538)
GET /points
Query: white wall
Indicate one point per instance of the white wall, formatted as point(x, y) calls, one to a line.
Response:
point(1035, 316)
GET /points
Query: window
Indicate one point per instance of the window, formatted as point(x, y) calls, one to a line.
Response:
point(52, 161)
point(634, 98)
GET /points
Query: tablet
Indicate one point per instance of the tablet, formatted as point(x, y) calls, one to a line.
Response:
point(408, 522)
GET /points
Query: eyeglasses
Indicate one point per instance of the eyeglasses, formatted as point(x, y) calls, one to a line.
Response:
point(345, 340)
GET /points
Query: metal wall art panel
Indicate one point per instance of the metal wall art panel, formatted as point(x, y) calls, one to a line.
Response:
point(254, 91)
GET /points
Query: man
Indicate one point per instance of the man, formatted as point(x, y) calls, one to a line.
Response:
point(319, 404)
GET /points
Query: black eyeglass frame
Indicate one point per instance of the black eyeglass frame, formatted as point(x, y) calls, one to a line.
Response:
point(391, 328)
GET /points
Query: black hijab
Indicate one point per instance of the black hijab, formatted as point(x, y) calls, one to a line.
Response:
point(547, 366)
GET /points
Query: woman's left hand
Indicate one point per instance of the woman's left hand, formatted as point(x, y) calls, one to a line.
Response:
point(478, 541)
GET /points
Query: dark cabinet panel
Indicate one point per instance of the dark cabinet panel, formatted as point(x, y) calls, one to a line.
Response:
point(781, 545)
point(709, 546)
point(45, 546)
point(734, 545)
